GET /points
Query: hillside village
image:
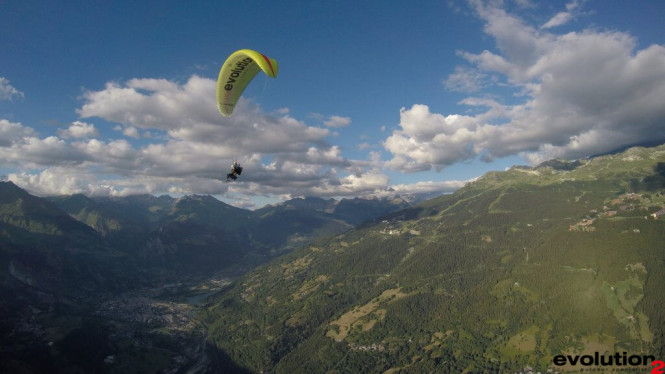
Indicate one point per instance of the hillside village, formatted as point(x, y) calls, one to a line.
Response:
point(626, 205)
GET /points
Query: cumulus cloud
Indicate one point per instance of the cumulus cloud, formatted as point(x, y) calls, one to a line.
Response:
point(188, 112)
point(202, 143)
point(429, 139)
point(79, 129)
point(7, 91)
point(66, 180)
point(11, 132)
point(131, 132)
point(576, 94)
point(154, 103)
point(60, 181)
point(117, 168)
point(282, 155)
point(34, 152)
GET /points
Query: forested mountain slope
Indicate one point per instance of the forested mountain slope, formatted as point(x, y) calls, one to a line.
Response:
point(511, 270)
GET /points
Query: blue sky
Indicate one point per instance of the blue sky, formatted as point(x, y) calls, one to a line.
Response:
point(117, 98)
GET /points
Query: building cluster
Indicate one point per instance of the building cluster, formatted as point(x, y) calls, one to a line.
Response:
point(583, 225)
point(140, 306)
point(372, 347)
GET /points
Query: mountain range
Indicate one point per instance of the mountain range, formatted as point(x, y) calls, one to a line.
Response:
point(65, 255)
point(514, 269)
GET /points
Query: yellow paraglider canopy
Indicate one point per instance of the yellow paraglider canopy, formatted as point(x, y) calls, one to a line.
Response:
point(236, 73)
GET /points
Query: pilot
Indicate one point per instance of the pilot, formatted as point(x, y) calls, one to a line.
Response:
point(236, 170)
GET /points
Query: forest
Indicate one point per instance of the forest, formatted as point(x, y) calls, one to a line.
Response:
point(505, 274)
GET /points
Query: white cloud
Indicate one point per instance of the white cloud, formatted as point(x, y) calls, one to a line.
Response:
point(428, 139)
point(61, 180)
point(34, 152)
point(370, 181)
point(79, 129)
point(423, 187)
point(337, 121)
point(363, 146)
point(331, 156)
point(559, 19)
point(282, 156)
point(188, 112)
point(154, 103)
point(117, 168)
point(11, 132)
point(131, 132)
point(7, 91)
point(465, 79)
point(576, 94)
point(55, 181)
point(562, 18)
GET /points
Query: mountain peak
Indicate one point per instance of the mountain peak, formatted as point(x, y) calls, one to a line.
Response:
point(9, 189)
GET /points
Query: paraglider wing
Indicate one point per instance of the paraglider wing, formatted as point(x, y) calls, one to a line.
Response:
point(238, 70)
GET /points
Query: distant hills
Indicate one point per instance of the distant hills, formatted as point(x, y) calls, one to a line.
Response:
point(501, 276)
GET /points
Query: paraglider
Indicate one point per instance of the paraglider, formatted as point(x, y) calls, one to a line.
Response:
point(236, 73)
point(236, 170)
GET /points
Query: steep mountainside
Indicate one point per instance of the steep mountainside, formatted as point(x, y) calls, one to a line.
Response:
point(109, 216)
point(86, 280)
point(511, 270)
point(200, 234)
point(44, 248)
point(53, 269)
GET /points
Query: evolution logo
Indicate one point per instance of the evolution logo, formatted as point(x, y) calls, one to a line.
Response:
point(617, 361)
point(235, 73)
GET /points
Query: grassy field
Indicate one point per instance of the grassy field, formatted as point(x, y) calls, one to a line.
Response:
point(340, 327)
